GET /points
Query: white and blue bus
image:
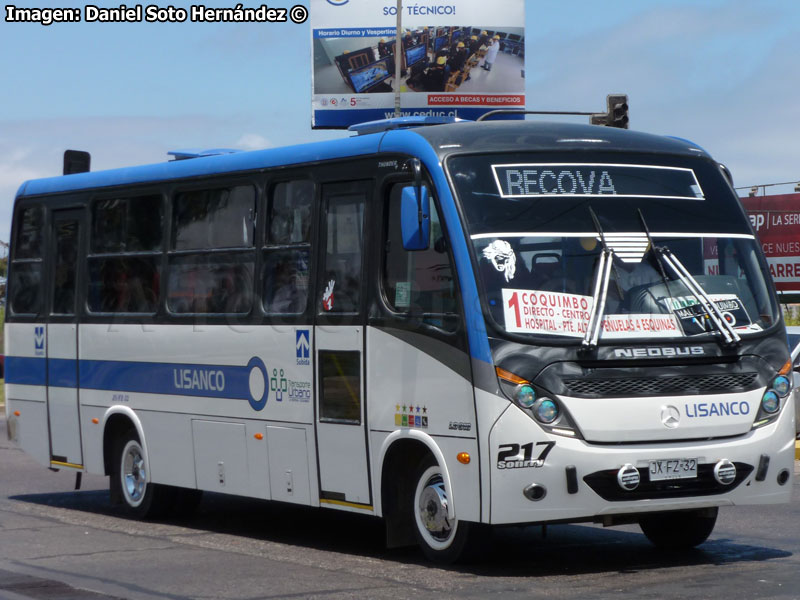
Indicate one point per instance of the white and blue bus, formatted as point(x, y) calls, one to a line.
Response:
point(450, 327)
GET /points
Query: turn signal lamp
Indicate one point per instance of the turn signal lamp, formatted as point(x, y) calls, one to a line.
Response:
point(463, 458)
point(786, 368)
point(509, 376)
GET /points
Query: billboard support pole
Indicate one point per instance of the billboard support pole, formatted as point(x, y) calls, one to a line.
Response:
point(398, 63)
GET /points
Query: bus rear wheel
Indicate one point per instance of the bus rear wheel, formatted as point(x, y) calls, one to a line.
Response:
point(679, 530)
point(441, 539)
point(130, 481)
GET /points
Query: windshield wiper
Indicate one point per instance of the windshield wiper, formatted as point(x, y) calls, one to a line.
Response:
point(601, 279)
point(708, 305)
point(664, 256)
point(652, 247)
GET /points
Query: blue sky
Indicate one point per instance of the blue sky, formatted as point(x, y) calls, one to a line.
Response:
point(724, 73)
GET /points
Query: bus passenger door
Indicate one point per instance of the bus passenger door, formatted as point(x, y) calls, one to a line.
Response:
point(63, 411)
point(339, 349)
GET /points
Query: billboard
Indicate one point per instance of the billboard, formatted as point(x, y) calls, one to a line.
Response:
point(459, 58)
point(776, 220)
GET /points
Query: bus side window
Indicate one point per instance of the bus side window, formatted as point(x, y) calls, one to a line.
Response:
point(202, 281)
point(287, 253)
point(419, 282)
point(25, 283)
point(125, 254)
point(344, 245)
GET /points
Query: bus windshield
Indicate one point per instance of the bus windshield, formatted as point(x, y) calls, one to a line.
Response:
point(676, 239)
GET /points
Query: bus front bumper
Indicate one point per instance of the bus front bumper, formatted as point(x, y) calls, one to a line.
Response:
point(579, 481)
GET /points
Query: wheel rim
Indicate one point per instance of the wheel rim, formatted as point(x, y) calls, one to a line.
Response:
point(134, 473)
point(430, 510)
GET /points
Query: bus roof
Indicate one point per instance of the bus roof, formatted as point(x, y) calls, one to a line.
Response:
point(444, 140)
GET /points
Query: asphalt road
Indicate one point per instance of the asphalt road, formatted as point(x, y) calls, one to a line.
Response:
point(59, 543)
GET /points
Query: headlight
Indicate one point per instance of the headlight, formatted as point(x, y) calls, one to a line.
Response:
point(546, 410)
point(770, 402)
point(538, 403)
point(782, 385)
point(525, 396)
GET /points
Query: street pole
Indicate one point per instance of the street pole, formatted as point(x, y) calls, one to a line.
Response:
point(398, 63)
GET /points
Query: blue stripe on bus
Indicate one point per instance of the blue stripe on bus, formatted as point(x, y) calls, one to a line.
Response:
point(408, 142)
point(26, 370)
point(62, 372)
point(214, 381)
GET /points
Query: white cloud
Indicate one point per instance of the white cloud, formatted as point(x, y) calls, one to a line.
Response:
point(252, 141)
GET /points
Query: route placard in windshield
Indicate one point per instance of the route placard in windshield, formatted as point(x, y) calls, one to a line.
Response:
point(596, 180)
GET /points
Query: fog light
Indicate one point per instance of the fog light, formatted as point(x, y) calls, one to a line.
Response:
point(783, 477)
point(546, 410)
point(725, 472)
point(525, 396)
point(782, 385)
point(534, 492)
point(770, 402)
point(628, 477)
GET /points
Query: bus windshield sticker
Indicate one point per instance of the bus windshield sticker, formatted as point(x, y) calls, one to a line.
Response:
point(693, 317)
point(554, 313)
point(529, 311)
point(402, 294)
point(639, 325)
point(327, 296)
point(590, 180)
point(502, 256)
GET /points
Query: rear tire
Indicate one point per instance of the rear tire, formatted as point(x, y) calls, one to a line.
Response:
point(442, 540)
point(130, 481)
point(679, 530)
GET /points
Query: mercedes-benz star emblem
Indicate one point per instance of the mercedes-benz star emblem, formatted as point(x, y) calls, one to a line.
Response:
point(670, 416)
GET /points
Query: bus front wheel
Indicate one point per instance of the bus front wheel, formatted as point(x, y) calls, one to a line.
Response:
point(130, 480)
point(441, 539)
point(679, 530)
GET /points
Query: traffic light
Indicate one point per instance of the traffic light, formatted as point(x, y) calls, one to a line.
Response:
point(617, 110)
point(617, 113)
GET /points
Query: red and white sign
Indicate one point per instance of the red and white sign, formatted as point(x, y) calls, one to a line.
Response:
point(640, 325)
point(776, 220)
point(554, 313)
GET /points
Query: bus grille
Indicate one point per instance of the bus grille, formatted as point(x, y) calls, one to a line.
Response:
point(604, 483)
point(663, 385)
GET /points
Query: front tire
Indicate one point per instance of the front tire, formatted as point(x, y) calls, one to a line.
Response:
point(130, 481)
point(679, 530)
point(441, 539)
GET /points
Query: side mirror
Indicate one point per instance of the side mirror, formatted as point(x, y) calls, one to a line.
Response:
point(415, 217)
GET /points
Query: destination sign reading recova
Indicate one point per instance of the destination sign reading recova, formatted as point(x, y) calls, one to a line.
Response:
point(596, 180)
